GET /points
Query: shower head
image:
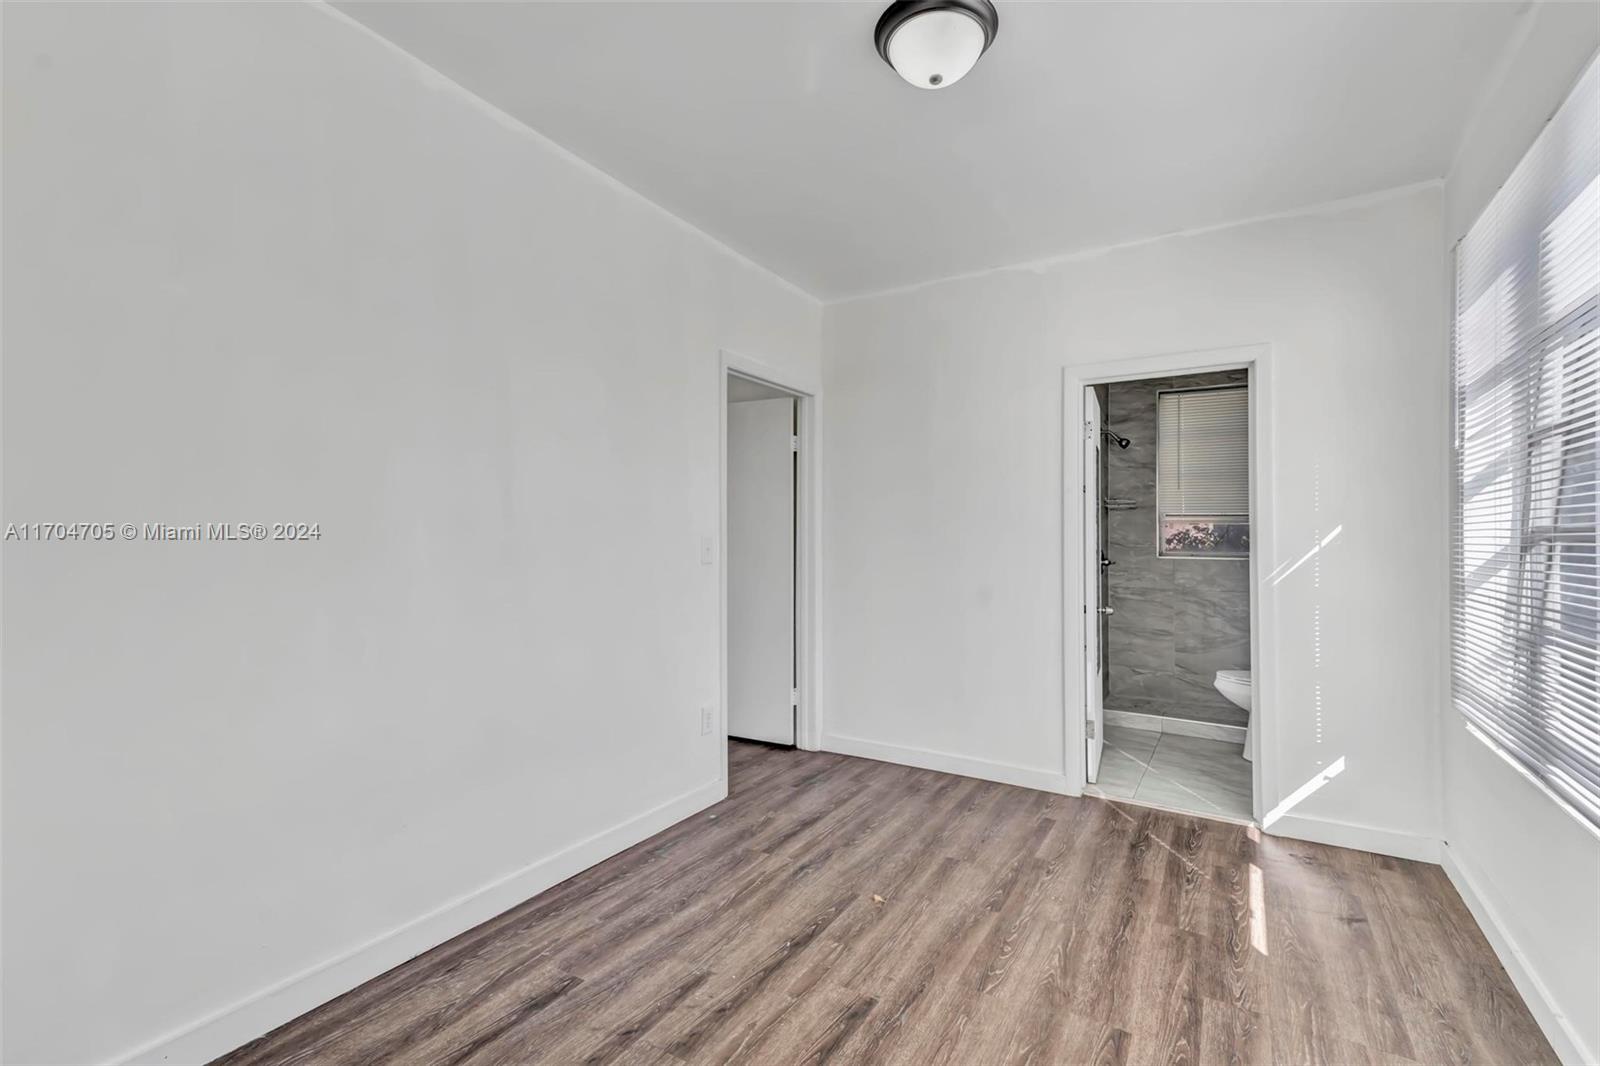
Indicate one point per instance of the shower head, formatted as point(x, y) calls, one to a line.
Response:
point(1122, 442)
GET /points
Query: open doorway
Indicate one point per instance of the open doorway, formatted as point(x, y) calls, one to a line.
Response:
point(749, 662)
point(762, 562)
point(1162, 576)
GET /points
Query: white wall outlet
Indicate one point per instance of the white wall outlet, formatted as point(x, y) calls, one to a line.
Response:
point(706, 720)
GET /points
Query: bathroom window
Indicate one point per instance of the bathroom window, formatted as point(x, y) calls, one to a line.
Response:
point(1203, 472)
point(1525, 634)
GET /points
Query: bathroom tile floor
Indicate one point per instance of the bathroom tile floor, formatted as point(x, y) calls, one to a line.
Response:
point(1168, 770)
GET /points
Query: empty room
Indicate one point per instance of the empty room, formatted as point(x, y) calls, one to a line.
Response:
point(960, 532)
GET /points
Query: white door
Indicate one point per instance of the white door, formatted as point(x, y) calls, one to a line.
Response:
point(1094, 668)
point(761, 631)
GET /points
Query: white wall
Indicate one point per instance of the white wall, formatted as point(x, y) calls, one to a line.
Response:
point(942, 506)
point(1529, 868)
point(261, 266)
point(1554, 42)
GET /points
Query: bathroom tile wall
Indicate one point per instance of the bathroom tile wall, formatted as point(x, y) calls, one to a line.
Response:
point(1176, 622)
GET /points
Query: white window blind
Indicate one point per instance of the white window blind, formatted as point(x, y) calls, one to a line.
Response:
point(1203, 452)
point(1526, 366)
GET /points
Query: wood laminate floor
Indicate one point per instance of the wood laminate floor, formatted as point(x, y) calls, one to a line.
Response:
point(838, 909)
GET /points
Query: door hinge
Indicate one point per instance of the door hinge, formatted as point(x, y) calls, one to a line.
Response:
point(1090, 727)
point(1088, 431)
point(794, 697)
point(794, 444)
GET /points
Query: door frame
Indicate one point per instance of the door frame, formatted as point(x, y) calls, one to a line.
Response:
point(1256, 361)
point(807, 392)
point(1094, 580)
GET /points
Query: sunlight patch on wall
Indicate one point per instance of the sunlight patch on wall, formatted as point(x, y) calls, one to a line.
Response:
point(1305, 790)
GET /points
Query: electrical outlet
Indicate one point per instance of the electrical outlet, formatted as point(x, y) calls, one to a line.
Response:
point(705, 720)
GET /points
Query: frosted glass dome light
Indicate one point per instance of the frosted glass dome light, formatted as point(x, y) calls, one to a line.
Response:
point(934, 43)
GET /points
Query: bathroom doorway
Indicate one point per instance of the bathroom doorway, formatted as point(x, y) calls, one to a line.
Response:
point(763, 455)
point(1168, 641)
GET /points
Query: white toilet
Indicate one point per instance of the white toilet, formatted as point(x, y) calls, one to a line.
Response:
point(1235, 688)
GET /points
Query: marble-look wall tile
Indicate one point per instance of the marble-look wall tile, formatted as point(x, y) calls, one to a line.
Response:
point(1176, 622)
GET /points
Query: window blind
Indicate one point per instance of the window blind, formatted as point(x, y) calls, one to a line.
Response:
point(1526, 382)
point(1203, 451)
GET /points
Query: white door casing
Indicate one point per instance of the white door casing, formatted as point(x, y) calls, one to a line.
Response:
point(1094, 667)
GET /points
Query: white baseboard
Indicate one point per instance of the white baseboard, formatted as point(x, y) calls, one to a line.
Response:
point(222, 1031)
point(1360, 837)
point(1004, 773)
point(1557, 1028)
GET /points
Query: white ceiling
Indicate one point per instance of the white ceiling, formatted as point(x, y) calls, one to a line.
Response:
point(776, 128)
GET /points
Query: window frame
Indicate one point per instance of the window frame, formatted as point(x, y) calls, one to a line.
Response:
point(1202, 517)
point(1523, 629)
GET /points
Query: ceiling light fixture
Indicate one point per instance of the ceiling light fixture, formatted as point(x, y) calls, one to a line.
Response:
point(933, 43)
